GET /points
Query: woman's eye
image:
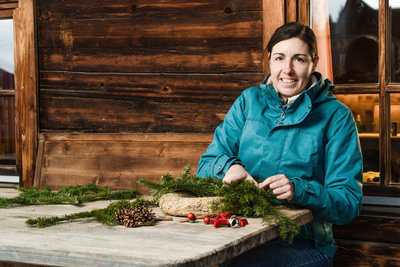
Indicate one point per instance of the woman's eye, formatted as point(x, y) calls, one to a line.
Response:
point(299, 59)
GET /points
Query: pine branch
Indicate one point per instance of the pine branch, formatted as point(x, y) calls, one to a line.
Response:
point(105, 216)
point(66, 195)
point(186, 183)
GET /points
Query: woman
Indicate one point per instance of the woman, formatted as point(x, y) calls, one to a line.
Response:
point(293, 133)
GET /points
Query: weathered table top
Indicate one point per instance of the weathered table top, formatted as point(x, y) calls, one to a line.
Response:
point(90, 243)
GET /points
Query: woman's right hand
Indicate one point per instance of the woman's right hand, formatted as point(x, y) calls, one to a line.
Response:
point(236, 172)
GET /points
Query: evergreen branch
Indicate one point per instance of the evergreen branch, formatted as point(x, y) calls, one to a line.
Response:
point(186, 183)
point(105, 216)
point(66, 195)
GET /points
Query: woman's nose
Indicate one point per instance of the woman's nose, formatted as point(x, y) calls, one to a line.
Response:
point(287, 67)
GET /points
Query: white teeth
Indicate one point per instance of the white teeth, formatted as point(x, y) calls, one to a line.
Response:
point(287, 80)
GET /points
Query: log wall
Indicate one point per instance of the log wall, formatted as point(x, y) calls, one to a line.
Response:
point(145, 67)
point(114, 71)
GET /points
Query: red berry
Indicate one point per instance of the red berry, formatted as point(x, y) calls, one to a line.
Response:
point(206, 220)
point(191, 217)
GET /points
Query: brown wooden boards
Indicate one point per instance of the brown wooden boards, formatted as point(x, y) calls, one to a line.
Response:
point(116, 161)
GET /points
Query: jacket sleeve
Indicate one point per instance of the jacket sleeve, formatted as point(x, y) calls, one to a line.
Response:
point(339, 200)
point(223, 150)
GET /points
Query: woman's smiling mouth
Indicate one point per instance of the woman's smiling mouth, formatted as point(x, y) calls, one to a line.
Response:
point(287, 80)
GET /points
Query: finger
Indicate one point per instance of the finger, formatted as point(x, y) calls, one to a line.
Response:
point(287, 195)
point(267, 182)
point(279, 181)
point(264, 184)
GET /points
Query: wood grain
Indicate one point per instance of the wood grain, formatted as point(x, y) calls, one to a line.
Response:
point(26, 78)
point(118, 163)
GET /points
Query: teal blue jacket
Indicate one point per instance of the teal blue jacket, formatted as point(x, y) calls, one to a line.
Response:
point(314, 142)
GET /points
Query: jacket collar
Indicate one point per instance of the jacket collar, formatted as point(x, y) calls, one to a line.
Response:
point(314, 92)
point(301, 105)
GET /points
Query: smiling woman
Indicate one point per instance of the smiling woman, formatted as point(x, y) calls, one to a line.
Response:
point(291, 135)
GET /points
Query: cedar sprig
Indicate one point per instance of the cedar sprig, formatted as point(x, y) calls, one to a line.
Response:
point(67, 195)
point(105, 216)
point(186, 183)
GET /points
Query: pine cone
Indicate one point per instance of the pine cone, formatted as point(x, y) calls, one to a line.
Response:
point(131, 217)
point(144, 215)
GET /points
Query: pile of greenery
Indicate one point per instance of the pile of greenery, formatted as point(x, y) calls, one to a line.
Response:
point(244, 198)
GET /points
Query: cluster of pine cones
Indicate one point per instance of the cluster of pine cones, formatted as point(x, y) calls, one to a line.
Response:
point(130, 217)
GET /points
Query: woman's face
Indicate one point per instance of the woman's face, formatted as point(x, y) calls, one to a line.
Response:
point(291, 67)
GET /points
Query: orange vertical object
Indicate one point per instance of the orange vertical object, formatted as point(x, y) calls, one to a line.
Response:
point(320, 25)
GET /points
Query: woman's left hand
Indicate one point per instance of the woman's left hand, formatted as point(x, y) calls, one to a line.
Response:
point(280, 186)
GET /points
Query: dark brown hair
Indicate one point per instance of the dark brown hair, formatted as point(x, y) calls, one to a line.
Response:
point(295, 30)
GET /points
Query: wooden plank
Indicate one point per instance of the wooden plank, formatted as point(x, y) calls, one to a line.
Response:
point(117, 161)
point(26, 90)
point(210, 37)
point(384, 100)
point(188, 138)
point(379, 229)
point(4, 6)
point(7, 92)
point(129, 116)
point(8, 1)
point(291, 10)
point(355, 253)
point(236, 58)
point(6, 14)
point(304, 11)
point(39, 164)
point(162, 30)
point(141, 8)
point(273, 17)
point(148, 87)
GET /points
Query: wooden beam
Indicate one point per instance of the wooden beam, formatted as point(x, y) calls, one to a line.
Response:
point(291, 10)
point(273, 17)
point(303, 12)
point(384, 100)
point(26, 90)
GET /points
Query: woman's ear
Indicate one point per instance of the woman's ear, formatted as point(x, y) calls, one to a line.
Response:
point(315, 62)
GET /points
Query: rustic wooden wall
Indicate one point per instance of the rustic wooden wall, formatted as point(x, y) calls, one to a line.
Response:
point(138, 67)
point(145, 66)
point(372, 239)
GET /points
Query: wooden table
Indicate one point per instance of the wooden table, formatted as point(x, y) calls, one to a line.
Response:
point(90, 243)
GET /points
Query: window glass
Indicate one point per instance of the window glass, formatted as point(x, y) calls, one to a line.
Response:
point(395, 137)
point(394, 20)
point(365, 108)
point(347, 33)
point(7, 107)
point(6, 54)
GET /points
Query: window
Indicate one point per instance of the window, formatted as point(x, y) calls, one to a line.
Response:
point(8, 170)
point(354, 36)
